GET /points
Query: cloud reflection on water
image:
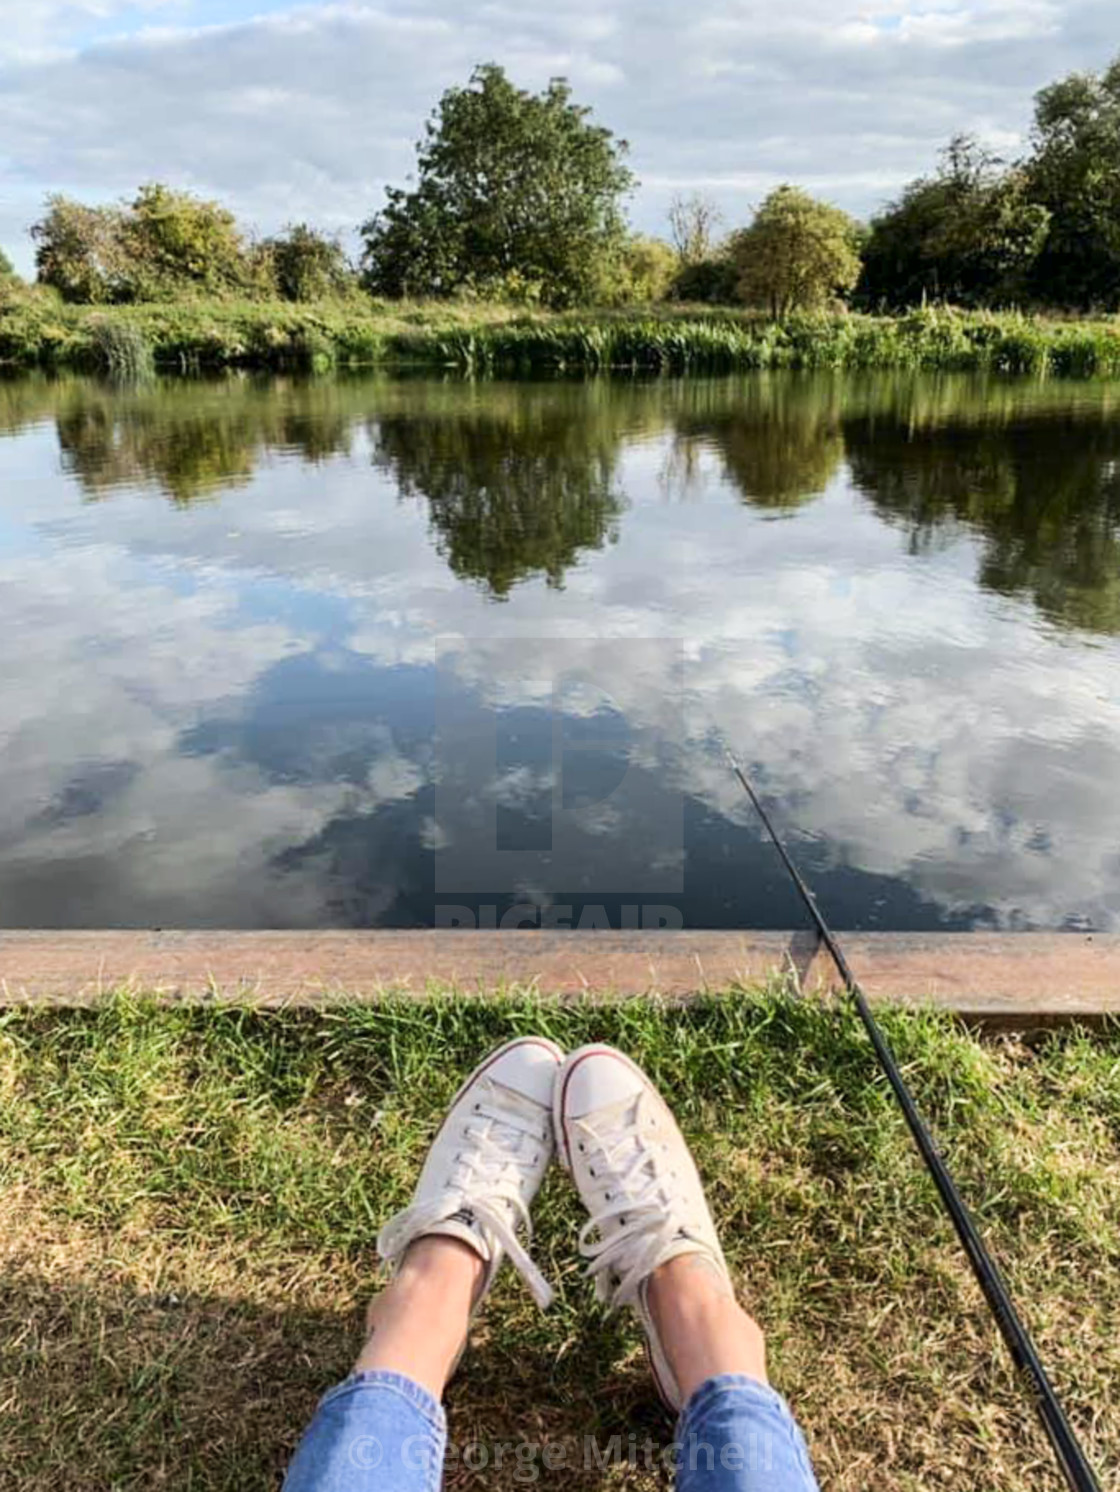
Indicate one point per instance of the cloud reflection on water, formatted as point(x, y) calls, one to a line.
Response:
point(219, 708)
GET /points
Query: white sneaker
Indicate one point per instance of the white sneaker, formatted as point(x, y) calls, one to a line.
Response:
point(637, 1179)
point(486, 1164)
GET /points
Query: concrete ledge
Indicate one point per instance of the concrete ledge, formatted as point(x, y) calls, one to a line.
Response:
point(1017, 980)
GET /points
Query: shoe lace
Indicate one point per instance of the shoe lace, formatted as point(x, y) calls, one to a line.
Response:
point(501, 1140)
point(642, 1188)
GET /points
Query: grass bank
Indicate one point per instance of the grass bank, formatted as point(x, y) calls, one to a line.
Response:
point(36, 330)
point(190, 1199)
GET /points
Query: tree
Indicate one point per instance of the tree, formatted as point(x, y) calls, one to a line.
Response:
point(307, 265)
point(81, 251)
point(705, 269)
point(7, 268)
point(797, 254)
point(1075, 173)
point(694, 224)
point(157, 247)
point(178, 241)
point(968, 234)
point(513, 189)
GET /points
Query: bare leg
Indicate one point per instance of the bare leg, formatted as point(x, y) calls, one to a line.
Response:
point(419, 1321)
point(703, 1330)
point(481, 1173)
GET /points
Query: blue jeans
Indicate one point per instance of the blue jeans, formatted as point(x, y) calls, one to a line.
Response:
point(381, 1432)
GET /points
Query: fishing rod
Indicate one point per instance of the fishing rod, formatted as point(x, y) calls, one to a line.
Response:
point(1067, 1448)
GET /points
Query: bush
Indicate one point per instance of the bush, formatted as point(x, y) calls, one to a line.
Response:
point(713, 281)
point(641, 273)
point(176, 242)
point(163, 245)
point(307, 265)
point(81, 252)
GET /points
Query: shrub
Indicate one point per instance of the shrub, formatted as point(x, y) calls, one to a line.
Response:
point(81, 252)
point(713, 281)
point(643, 271)
point(176, 241)
point(307, 265)
point(162, 245)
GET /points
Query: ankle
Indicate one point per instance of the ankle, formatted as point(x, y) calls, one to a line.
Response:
point(445, 1266)
point(418, 1324)
point(703, 1330)
point(689, 1284)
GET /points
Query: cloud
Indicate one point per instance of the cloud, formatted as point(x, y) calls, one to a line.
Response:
point(49, 29)
point(309, 111)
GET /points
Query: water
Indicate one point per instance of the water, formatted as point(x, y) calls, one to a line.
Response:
point(356, 653)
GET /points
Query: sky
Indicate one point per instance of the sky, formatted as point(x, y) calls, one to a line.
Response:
point(305, 112)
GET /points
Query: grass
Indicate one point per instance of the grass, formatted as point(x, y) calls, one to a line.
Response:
point(190, 1199)
point(38, 330)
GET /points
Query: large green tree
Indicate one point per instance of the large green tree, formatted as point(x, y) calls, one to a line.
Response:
point(968, 234)
point(1075, 173)
point(516, 193)
point(797, 255)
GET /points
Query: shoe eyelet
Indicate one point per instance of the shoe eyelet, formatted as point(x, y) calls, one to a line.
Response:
point(582, 1147)
point(590, 1172)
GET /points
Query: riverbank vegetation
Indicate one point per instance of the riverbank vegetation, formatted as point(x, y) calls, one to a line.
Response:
point(191, 1198)
point(38, 330)
point(512, 251)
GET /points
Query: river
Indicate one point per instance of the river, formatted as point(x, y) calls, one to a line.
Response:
point(412, 652)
